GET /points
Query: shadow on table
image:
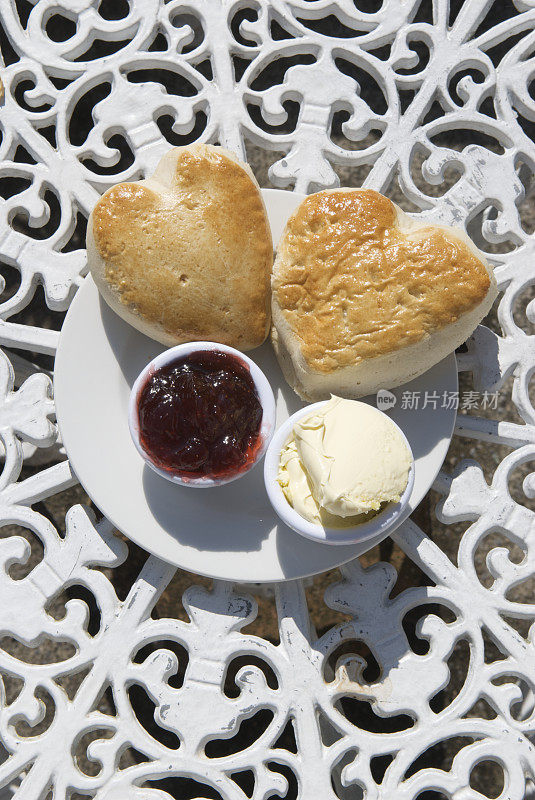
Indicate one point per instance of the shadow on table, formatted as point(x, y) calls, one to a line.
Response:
point(131, 348)
point(182, 512)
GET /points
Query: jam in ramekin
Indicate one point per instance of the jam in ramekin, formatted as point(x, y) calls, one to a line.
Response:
point(200, 416)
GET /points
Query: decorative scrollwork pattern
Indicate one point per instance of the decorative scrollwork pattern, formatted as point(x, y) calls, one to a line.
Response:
point(427, 99)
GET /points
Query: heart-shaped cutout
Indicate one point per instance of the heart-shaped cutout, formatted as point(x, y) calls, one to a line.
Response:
point(364, 297)
point(186, 254)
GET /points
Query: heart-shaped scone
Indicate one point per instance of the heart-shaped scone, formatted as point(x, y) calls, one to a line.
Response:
point(186, 254)
point(364, 297)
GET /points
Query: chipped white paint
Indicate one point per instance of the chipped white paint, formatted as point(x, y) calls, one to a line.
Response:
point(307, 682)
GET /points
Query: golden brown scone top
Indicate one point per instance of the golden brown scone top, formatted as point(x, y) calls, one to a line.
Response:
point(193, 257)
point(352, 285)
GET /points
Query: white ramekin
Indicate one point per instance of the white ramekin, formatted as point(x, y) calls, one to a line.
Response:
point(261, 383)
point(382, 523)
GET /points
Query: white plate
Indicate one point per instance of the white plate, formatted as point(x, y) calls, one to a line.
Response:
point(229, 532)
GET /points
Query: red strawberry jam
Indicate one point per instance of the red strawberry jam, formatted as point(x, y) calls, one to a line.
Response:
point(200, 416)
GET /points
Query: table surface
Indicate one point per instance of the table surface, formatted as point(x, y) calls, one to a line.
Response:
point(433, 100)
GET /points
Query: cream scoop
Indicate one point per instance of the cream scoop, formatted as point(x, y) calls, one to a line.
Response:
point(295, 485)
point(343, 463)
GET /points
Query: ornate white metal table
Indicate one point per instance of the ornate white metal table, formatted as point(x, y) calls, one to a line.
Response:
point(433, 99)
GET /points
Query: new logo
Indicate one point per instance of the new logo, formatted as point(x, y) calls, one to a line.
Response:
point(385, 400)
